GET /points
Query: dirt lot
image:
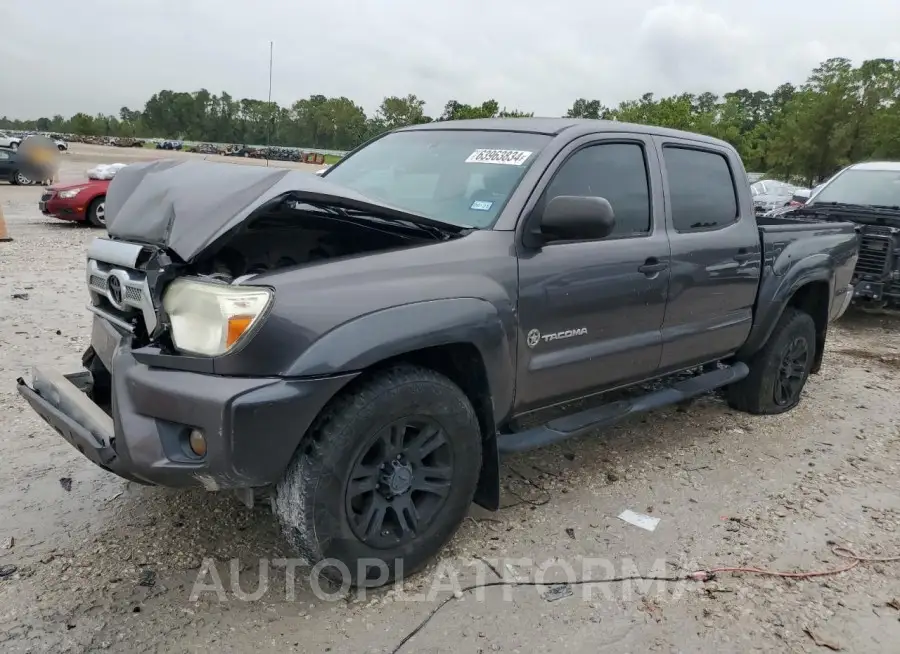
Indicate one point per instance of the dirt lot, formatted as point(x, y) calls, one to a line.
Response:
point(101, 565)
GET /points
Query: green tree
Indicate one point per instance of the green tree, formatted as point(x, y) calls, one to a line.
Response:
point(841, 114)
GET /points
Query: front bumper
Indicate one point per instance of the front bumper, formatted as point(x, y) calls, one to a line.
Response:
point(252, 425)
point(52, 205)
point(843, 302)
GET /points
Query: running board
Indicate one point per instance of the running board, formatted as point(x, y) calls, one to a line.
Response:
point(609, 414)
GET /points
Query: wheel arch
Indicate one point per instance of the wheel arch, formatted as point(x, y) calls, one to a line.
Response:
point(811, 294)
point(463, 364)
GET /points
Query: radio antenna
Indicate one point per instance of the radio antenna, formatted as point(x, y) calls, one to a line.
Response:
point(272, 116)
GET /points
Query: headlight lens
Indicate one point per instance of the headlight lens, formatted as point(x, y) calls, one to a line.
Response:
point(210, 319)
point(71, 193)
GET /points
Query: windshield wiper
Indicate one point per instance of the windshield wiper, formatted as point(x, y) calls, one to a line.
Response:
point(453, 229)
point(371, 216)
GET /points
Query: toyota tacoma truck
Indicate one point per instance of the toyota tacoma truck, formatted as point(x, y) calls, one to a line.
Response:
point(360, 348)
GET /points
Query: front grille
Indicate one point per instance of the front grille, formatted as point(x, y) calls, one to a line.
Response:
point(46, 197)
point(874, 254)
point(134, 300)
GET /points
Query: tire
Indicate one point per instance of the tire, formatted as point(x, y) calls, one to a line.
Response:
point(791, 347)
point(96, 213)
point(20, 179)
point(14, 146)
point(326, 521)
point(12, 178)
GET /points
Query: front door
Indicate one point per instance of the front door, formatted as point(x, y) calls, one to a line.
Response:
point(590, 312)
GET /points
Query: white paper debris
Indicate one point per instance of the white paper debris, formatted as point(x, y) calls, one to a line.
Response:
point(105, 171)
point(640, 520)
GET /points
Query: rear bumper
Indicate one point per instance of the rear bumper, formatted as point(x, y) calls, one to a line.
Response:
point(252, 425)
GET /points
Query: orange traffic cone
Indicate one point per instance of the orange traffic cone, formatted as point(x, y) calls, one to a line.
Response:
point(4, 235)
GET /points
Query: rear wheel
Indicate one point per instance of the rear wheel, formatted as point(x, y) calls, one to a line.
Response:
point(96, 213)
point(385, 479)
point(778, 372)
point(20, 179)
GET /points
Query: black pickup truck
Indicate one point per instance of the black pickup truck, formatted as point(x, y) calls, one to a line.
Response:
point(360, 348)
point(867, 194)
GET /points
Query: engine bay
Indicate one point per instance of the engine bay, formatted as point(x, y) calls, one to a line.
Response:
point(289, 237)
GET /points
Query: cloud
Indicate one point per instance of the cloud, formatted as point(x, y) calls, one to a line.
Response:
point(61, 56)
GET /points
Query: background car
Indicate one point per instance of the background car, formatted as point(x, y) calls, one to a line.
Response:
point(10, 167)
point(7, 141)
point(81, 202)
point(771, 194)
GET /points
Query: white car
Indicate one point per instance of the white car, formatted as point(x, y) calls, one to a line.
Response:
point(7, 141)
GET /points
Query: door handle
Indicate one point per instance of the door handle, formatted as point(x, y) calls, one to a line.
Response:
point(742, 255)
point(652, 266)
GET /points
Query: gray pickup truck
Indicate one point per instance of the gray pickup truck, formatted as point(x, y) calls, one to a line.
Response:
point(360, 348)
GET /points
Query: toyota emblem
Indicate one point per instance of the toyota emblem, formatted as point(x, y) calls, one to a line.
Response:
point(114, 291)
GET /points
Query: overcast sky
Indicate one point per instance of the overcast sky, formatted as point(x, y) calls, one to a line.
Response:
point(64, 56)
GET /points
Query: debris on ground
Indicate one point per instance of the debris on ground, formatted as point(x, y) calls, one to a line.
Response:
point(66, 483)
point(639, 520)
point(557, 592)
point(7, 543)
point(821, 642)
point(7, 571)
point(147, 578)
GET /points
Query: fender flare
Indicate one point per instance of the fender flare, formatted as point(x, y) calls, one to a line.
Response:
point(376, 337)
point(802, 274)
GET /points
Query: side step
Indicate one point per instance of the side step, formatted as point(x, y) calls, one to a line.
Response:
point(609, 414)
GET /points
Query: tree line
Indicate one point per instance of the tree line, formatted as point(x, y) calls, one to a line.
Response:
point(841, 114)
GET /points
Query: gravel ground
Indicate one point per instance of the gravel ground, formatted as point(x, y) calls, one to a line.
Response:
point(103, 565)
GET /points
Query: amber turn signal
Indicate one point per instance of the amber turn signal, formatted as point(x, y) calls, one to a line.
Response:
point(197, 442)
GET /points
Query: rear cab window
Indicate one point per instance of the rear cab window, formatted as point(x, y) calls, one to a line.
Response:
point(463, 177)
point(702, 193)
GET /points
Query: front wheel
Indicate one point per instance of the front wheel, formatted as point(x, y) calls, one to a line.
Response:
point(20, 179)
point(96, 213)
point(385, 478)
point(778, 372)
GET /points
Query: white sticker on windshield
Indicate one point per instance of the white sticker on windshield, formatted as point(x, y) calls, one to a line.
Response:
point(505, 157)
point(481, 205)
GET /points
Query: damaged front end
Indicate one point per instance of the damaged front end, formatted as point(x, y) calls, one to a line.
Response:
point(152, 405)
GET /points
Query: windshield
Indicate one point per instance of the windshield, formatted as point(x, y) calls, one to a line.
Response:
point(455, 176)
point(869, 187)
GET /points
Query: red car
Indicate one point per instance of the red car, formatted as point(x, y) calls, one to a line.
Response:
point(84, 201)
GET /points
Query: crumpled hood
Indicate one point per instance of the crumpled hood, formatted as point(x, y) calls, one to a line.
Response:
point(185, 206)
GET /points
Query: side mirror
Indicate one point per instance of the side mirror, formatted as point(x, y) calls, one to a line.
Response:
point(576, 218)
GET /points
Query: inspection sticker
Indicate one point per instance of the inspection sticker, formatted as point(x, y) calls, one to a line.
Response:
point(505, 157)
point(481, 205)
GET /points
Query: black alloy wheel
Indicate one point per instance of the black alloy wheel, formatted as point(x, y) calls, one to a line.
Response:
point(792, 372)
point(399, 483)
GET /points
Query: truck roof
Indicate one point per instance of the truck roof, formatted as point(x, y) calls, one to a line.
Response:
point(555, 126)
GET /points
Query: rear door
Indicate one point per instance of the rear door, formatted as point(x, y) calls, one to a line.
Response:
point(716, 253)
point(7, 164)
point(591, 310)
